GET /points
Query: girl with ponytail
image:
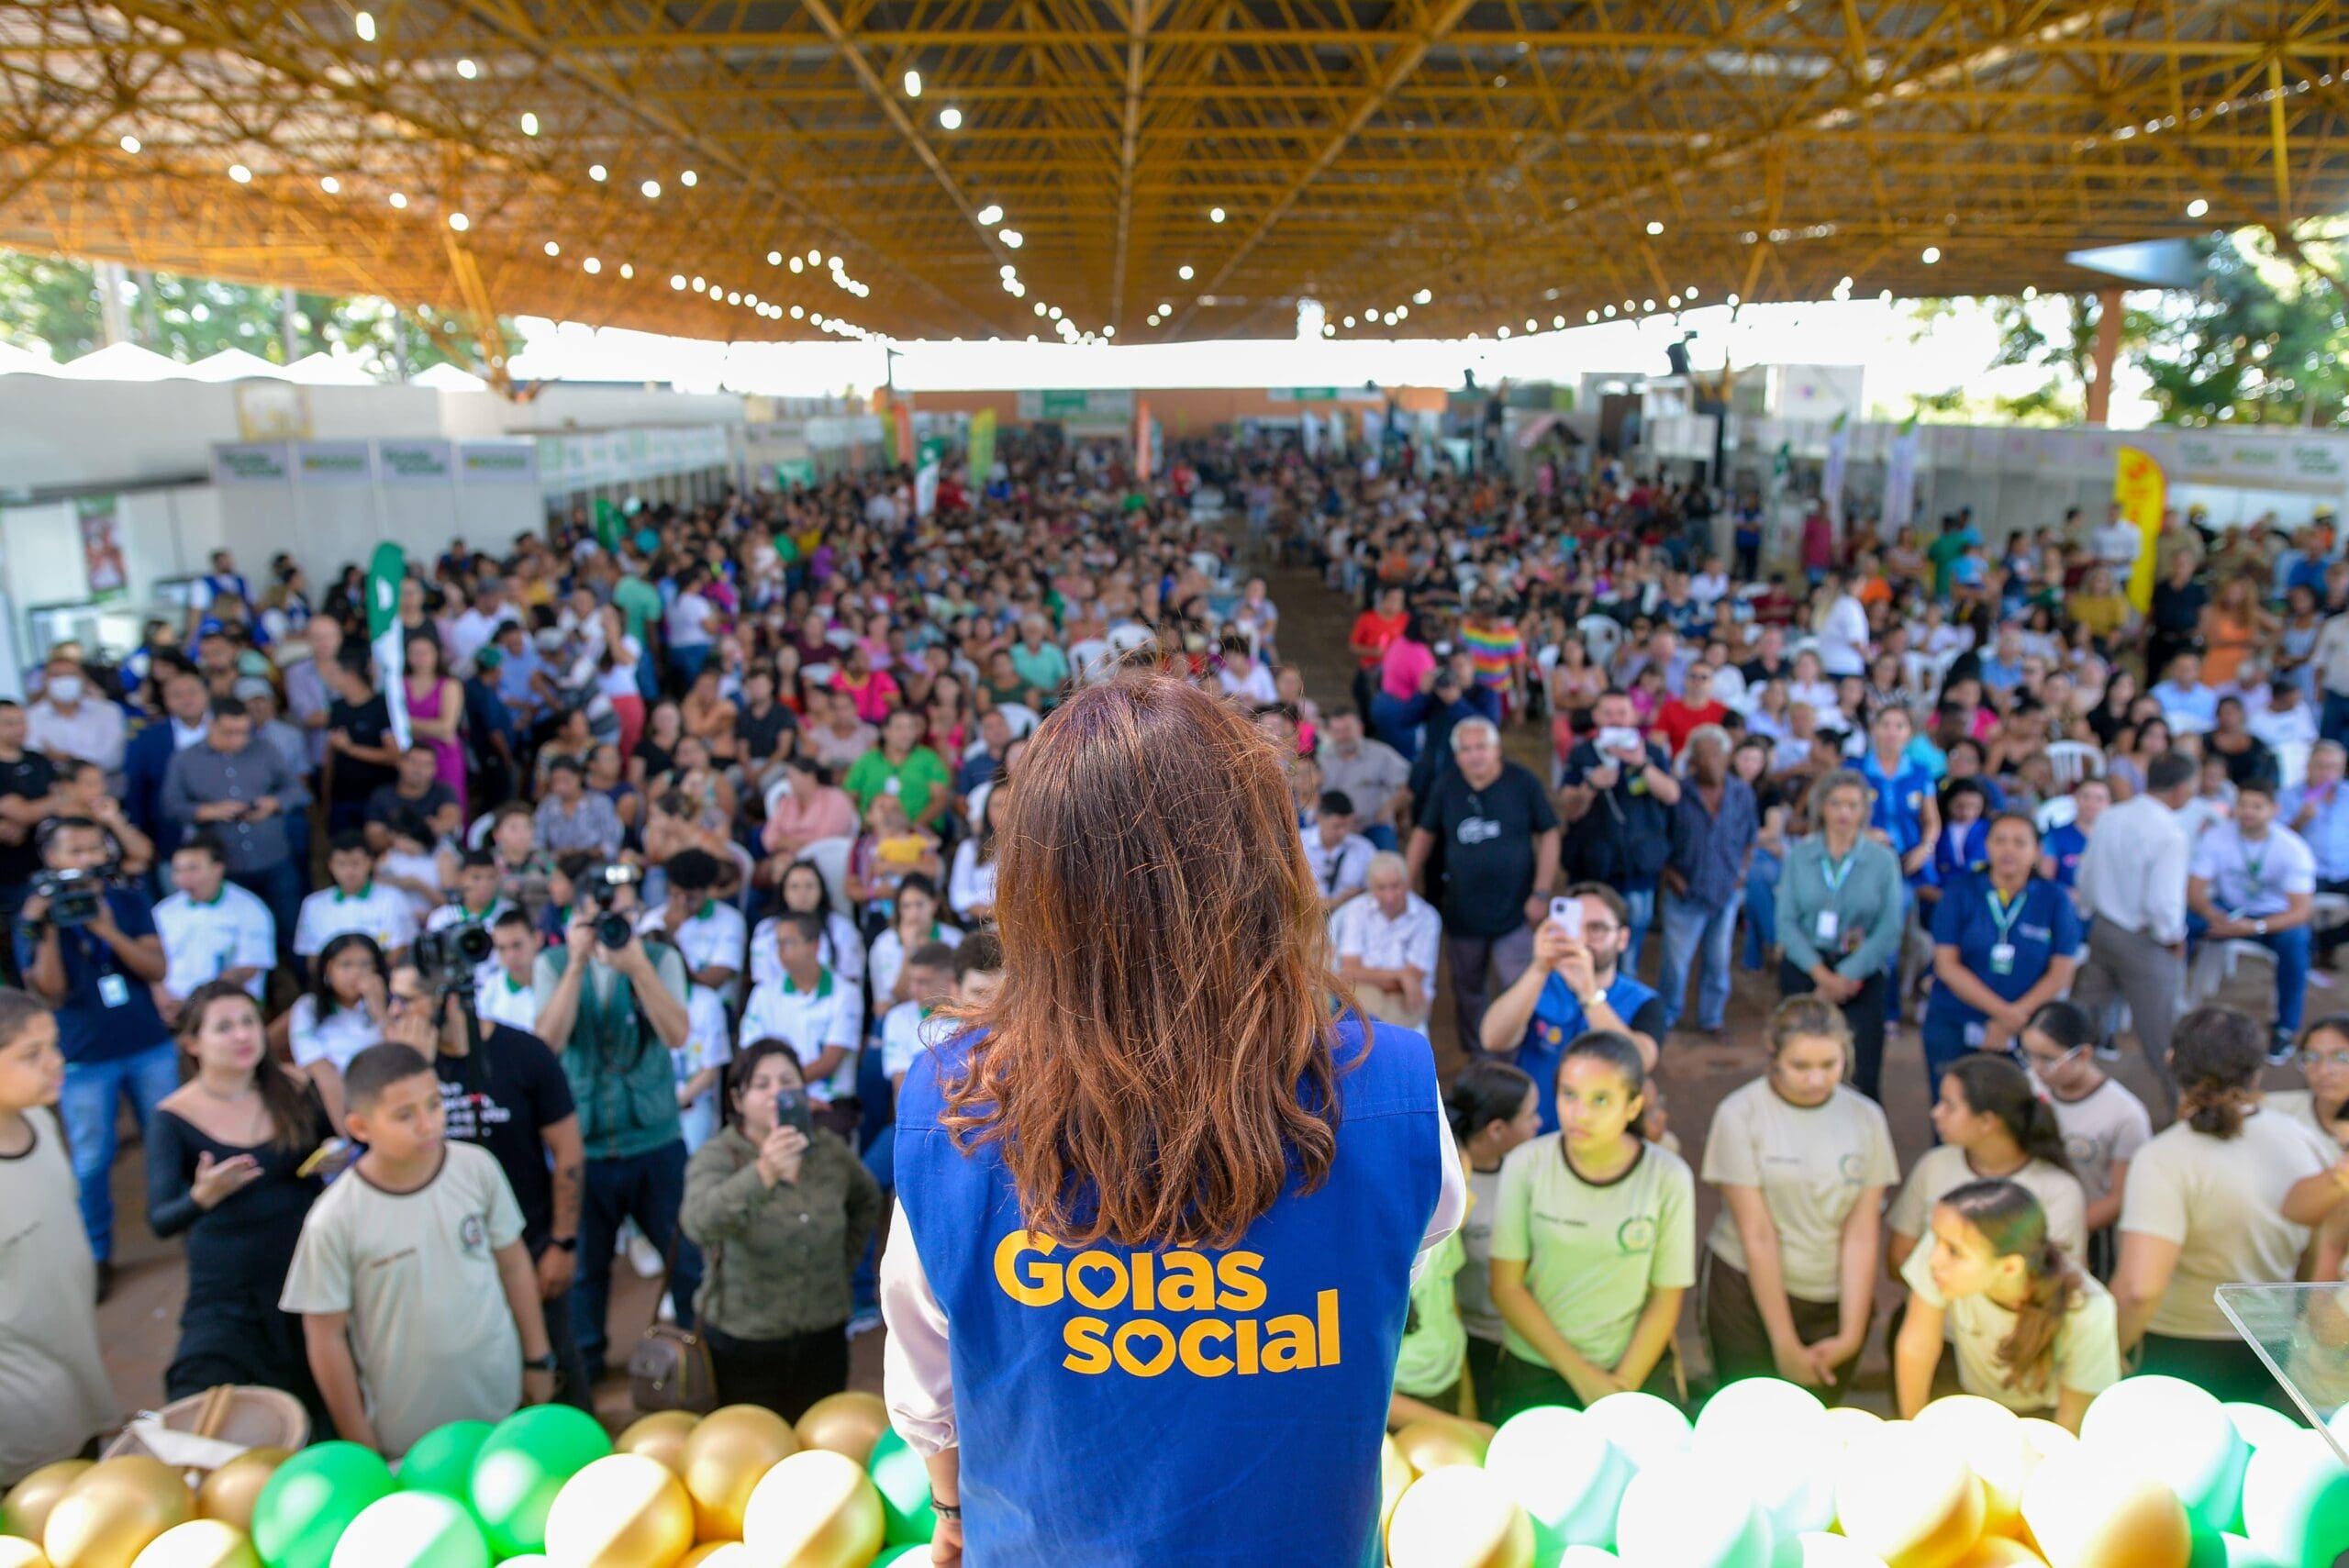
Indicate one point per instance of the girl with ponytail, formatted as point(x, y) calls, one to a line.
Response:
point(2032, 1330)
point(1991, 1123)
point(1493, 1107)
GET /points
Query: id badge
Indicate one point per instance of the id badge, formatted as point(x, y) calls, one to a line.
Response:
point(1828, 927)
point(112, 991)
point(2002, 958)
point(1977, 1033)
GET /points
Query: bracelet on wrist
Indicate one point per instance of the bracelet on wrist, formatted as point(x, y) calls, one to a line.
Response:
point(947, 1510)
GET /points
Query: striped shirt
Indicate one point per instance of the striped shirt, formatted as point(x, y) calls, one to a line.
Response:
point(1495, 652)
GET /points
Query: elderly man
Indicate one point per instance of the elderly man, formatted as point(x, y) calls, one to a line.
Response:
point(239, 786)
point(1714, 824)
point(1370, 771)
point(1386, 945)
point(1500, 864)
point(71, 720)
point(2318, 810)
point(310, 686)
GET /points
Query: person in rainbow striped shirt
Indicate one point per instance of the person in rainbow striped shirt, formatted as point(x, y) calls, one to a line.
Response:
point(1497, 651)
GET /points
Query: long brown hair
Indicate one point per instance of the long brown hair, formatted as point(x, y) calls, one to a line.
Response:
point(292, 1119)
point(2010, 1219)
point(1160, 1057)
point(2216, 1053)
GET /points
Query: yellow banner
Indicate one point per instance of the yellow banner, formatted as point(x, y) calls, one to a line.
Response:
point(2142, 491)
point(982, 447)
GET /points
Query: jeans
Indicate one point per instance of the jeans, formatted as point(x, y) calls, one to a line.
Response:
point(648, 1188)
point(686, 660)
point(2291, 948)
point(2333, 724)
point(1944, 1040)
point(1761, 909)
point(1698, 932)
point(279, 886)
point(1472, 960)
point(1640, 901)
point(1382, 836)
point(94, 1093)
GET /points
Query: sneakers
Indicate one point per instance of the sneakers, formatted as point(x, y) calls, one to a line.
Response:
point(2279, 1050)
point(644, 1256)
point(2105, 1050)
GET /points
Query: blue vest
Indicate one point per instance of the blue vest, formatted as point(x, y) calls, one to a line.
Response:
point(1557, 1019)
point(1194, 1405)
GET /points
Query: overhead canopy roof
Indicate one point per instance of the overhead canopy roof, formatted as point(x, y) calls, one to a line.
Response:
point(1507, 156)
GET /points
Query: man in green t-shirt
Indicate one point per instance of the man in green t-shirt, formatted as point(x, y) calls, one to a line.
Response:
point(639, 602)
point(1957, 537)
point(903, 767)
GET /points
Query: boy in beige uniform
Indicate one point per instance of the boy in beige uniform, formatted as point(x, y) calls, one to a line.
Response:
point(419, 1300)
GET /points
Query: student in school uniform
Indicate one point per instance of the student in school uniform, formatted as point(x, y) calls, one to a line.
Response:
point(211, 928)
point(357, 902)
point(818, 1013)
point(2324, 1063)
point(1802, 1161)
point(1990, 1124)
point(1493, 1108)
point(2103, 1124)
point(1594, 1242)
point(506, 996)
point(2226, 1194)
point(2031, 1331)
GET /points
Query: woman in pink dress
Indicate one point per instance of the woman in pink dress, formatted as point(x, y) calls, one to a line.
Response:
point(436, 707)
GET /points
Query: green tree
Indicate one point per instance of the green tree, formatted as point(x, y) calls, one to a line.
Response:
point(2262, 344)
point(47, 301)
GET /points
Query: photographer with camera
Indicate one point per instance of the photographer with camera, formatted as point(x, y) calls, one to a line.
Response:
point(89, 950)
point(785, 1209)
point(613, 1007)
point(501, 1089)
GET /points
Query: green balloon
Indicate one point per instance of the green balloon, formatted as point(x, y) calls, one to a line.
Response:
point(2215, 1550)
point(522, 1465)
point(311, 1499)
point(528, 1559)
point(413, 1529)
point(443, 1460)
point(903, 1481)
point(912, 1551)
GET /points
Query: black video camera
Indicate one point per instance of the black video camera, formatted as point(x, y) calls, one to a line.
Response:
point(596, 886)
point(447, 958)
point(74, 896)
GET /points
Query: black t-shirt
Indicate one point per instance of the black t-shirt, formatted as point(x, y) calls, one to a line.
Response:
point(1756, 671)
point(761, 735)
point(500, 1098)
point(657, 759)
point(29, 777)
point(387, 799)
point(1488, 835)
point(368, 724)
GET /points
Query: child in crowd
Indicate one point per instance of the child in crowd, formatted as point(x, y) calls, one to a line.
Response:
point(58, 1393)
point(2103, 1123)
point(1989, 1123)
point(2031, 1331)
point(358, 901)
point(1493, 1107)
point(419, 1302)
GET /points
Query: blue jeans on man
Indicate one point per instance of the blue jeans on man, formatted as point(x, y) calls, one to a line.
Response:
point(2332, 724)
point(1640, 902)
point(649, 1189)
point(1762, 908)
point(88, 1107)
point(1698, 933)
point(2292, 947)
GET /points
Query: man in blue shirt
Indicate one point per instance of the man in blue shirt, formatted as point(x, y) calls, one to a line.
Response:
point(97, 974)
point(2191, 707)
point(2060, 850)
point(2319, 812)
point(1714, 824)
point(1575, 983)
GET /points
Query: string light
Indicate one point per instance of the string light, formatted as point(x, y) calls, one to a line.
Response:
point(1184, 273)
point(597, 172)
point(951, 118)
point(2197, 207)
point(398, 199)
point(651, 189)
point(592, 265)
point(989, 216)
point(774, 258)
point(330, 186)
point(1012, 237)
point(468, 70)
point(798, 265)
point(130, 144)
point(460, 222)
point(1655, 227)
point(553, 248)
point(628, 270)
point(689, 179)
point(913, 83)
point(1215, 215)
point(1931, 256)
point(363, 25)
point(240, 173)
point(530, 124)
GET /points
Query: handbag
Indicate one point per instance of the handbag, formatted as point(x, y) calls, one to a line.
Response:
point(670, 1367)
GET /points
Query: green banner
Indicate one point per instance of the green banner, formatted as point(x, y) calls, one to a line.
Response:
point(982, 446)
point(797, 472)
point(609, 525)
point(386, 636)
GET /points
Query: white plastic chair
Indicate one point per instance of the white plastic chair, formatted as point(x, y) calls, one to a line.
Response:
point(1603, 636)
point(2073, 760)
point(1021, 717)
point(2056, 813)
point(2292, 763)
point(2214, 966)
point(478, 834)
point(829, 857)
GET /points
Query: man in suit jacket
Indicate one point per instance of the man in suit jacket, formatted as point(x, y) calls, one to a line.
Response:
point(186, 721)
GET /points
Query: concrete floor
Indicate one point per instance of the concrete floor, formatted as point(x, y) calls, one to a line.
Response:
point(137, 1324)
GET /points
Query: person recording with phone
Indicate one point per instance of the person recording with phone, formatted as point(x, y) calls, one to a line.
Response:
point(783, 1209)
point(1575, 983)
point(88, 948)
point(1619, 791)
point(502, 1089)
point(612, 1007)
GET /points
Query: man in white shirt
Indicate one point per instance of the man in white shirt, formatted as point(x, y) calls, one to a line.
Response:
point(2189, 706)
point(1386, 945)
point(211, 928)
point(2131, 883)
point(819, 1014)
point(2330, 657)
point(706, 931)
point(472, 631)
point(1339, 856)
point(355, 902)
point(2255, 880)
point(71, 720)
point(2286, 718)
point(505, 996)
point(2117, 542)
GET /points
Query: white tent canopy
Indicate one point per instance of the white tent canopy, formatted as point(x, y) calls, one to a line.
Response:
point(328, 369)
point(233, 364)
point(446, 377)
point(22, 361)
point(123, 362)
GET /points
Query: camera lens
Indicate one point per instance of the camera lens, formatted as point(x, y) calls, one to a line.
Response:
point(613, 930)
point(475, 944)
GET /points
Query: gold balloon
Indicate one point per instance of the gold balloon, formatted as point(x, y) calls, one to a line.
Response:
point(1395, 1475)
point(1432, 1445)
point(1909, 1497)
point(717, 1554)
point(114, 1511)
point(625, 1510)
point(199, 1544)
point(661, 1436)
point(728, 1455)
point(1997, 1551)
point(16, 1551)
point(2086, 1512)
point(816, 1509)
point(845, 1423)
point(1990, 1438)
point(230, 1492)
point(1459, 1518)
point(25, 1512)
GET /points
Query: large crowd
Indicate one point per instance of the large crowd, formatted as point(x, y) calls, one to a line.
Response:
point(624, 953)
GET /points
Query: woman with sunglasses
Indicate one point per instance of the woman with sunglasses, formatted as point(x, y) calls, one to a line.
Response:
point(2103, 1124)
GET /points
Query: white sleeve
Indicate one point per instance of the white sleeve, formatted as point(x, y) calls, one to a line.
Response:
point(305, 932)
point(2166, 892)
point(917, 1369)
point(1349, 931)
point(1451, 1199)
point(961, 888)
point(256, 938)
point(1424, 950)
point(848, 1016)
